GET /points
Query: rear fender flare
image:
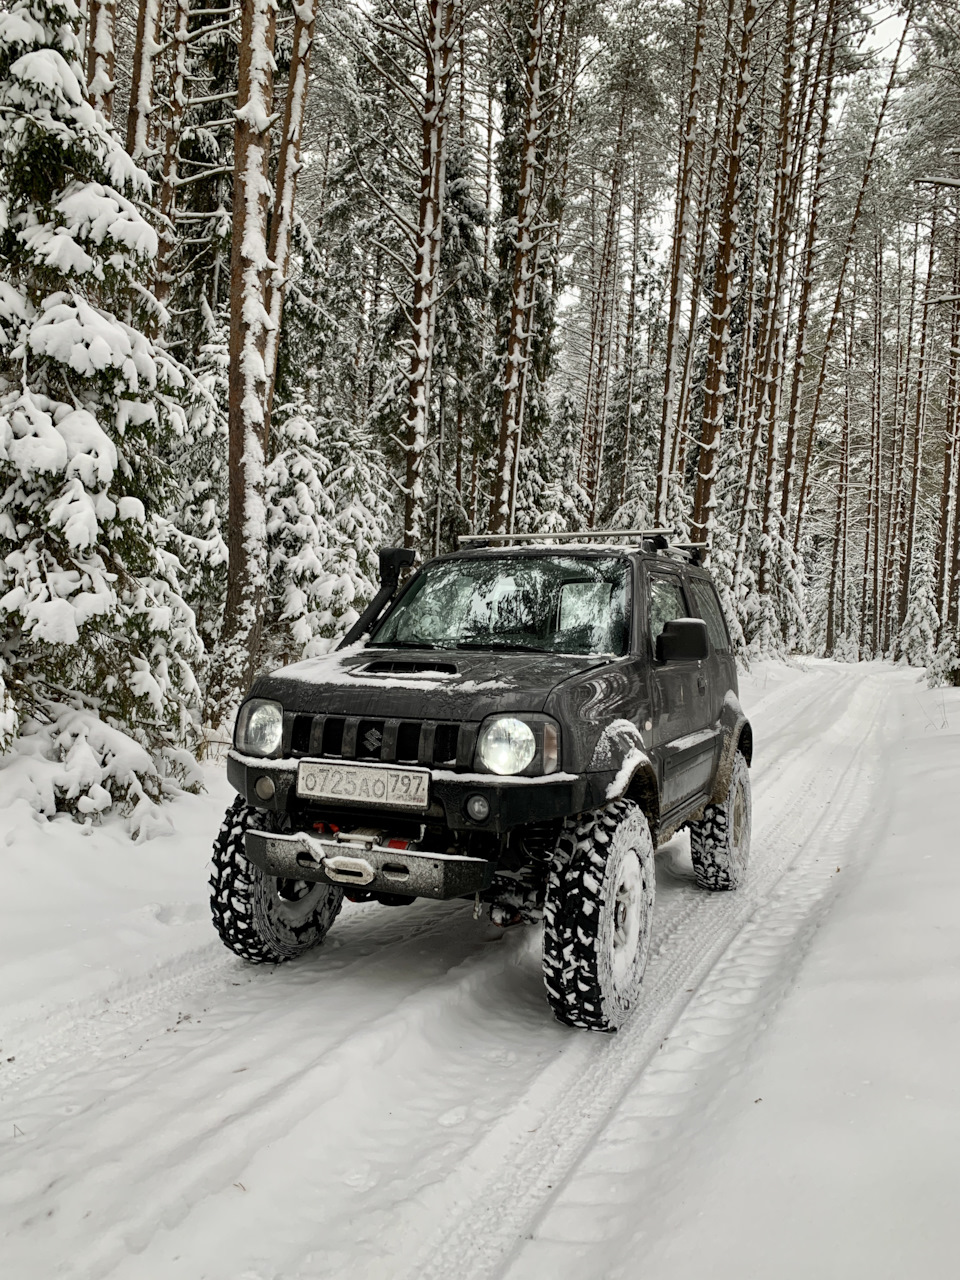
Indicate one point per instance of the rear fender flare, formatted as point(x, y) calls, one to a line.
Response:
point(737, 736)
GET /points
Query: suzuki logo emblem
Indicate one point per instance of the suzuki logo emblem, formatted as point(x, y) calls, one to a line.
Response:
point(372, 739)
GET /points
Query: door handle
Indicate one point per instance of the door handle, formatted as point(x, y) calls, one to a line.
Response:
point(701, 684)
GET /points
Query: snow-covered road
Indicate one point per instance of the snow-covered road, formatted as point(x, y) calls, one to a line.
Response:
point(400, 1104)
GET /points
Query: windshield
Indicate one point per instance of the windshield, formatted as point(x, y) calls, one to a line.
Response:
point(553, 604)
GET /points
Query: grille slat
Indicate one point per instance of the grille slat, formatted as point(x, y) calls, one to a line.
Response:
point(428, 731)
point(389, 749)
point(349, 748)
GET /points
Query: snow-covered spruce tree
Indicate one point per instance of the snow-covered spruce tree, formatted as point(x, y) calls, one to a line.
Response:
point(918, 635)
point(98, 642)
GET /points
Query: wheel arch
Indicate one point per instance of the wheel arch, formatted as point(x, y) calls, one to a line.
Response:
point(738, 738)
point(644, 789)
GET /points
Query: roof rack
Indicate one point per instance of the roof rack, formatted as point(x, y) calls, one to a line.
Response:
point(696, 550)
point(583, 535)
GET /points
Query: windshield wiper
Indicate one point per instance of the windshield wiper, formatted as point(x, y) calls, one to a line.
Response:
point(509, 645)
point(402, 644)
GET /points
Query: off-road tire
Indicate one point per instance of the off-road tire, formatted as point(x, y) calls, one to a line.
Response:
point(598, 915)
point(259, 917)
point(720, 840)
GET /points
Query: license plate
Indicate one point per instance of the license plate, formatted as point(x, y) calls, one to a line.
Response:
point(364, 784)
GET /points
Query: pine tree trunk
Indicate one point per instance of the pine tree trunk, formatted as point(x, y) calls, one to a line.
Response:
point(171, 153)
point(249, 266)
point(838, 527)
point(781, 229)
point(438, 46)
point(288, 170)
point(678, 444)
point(683, 225)
point(101, 54)
point(844, 266)
point(807, 273)
point(145, 50)
point(919, 423)
point(601, 344)
point(723, 296)
point(951, 442)
point(524, 283)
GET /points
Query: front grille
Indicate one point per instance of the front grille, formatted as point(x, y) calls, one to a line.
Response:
point(447, 744)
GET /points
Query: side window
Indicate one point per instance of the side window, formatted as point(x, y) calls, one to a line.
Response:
point(712, 614)
point(666, 602)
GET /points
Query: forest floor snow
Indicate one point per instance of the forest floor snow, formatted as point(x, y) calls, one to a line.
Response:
point(401, 1105)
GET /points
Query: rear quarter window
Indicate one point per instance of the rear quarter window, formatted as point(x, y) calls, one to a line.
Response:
point(709, 608)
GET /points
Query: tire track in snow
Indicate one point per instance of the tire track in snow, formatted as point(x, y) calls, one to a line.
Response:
point(105, 1024)
point(642, 1146)
point(517, 1178)
point(170, 1127)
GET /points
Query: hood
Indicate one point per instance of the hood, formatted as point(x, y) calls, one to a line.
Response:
point(415, 684)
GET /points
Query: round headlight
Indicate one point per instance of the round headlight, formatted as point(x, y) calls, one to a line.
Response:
point(259, 728)
point(507, 745)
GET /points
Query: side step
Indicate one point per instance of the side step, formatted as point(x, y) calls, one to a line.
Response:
point(366, 864)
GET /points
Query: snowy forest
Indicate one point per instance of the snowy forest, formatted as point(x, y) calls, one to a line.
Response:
point(284, 282)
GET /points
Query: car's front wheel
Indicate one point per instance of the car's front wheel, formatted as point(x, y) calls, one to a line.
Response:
point(598, 916)
point(260, 917)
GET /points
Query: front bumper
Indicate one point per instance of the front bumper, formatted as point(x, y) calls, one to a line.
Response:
point(513, 801)
point(352, 861)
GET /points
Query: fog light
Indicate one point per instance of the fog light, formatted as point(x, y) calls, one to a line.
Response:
point(264, 788)
point(478, 807)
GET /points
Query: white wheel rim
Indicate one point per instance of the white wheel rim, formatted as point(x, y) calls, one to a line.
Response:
point(739, 817)
point(629, 906)
point(290, 910)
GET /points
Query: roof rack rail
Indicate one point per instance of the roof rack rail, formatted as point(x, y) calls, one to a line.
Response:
point(582, 535)
point(695, 550)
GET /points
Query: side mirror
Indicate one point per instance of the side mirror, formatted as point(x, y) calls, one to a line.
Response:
point(683, 640)
point(392, 560)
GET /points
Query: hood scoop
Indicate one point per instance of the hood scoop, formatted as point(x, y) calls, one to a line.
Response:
point(399, 667)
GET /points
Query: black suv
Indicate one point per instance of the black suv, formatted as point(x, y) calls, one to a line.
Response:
point(519, 725)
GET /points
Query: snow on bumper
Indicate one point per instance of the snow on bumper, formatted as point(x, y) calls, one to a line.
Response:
point(513, 801)
point(366, 864)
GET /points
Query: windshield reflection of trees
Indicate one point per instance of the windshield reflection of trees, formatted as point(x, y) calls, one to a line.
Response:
point(553, 605)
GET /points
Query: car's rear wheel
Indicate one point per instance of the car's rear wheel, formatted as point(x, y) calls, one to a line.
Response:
point(720, 840)
point(261, 917)
point(598, 916)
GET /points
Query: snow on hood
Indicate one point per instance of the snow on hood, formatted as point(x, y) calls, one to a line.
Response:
point(469, 684)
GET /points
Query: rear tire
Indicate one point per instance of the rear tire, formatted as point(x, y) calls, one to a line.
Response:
point(262, 918)
point(598, 916)
point(720, 841)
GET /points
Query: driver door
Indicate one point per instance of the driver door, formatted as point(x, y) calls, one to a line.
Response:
point(682, 743)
